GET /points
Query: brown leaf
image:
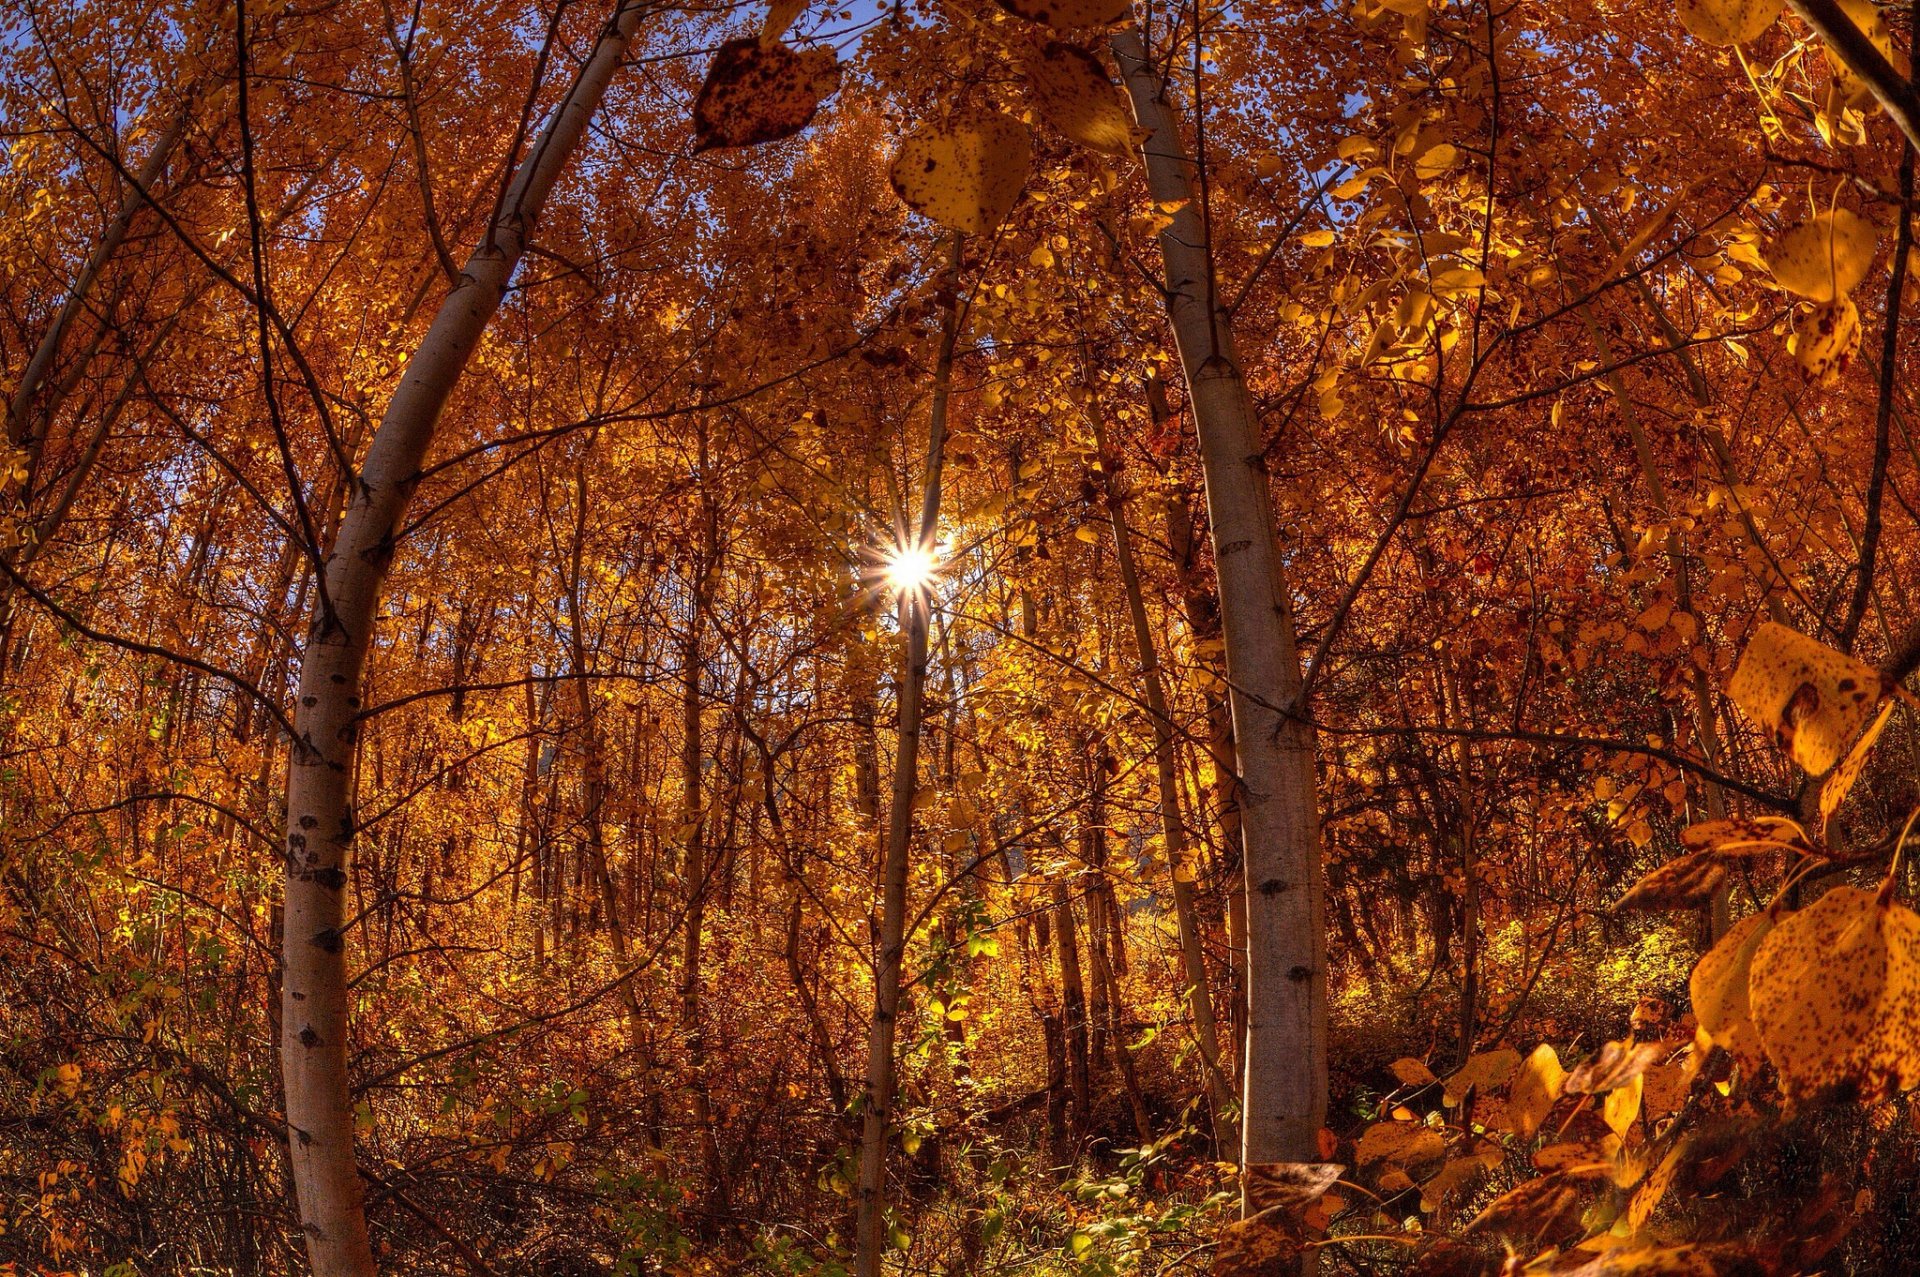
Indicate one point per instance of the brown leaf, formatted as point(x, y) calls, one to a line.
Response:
point(1745, 837)
point(1412, 1072)
point(1535, 1208)
point(756, 93)
point(1615, 1064)
point(1403, 1142)
point(1714, 1260)
point(1835, 994)
point(1286, 1185)
point(1481, 1071)
point(1064, 15)
point(1076, 96)
point(1685, 882)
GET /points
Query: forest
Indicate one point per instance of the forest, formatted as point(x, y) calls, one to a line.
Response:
point(959, 638)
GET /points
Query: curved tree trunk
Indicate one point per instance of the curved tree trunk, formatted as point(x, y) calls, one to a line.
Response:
point(1284, 1098)
point(320, 823)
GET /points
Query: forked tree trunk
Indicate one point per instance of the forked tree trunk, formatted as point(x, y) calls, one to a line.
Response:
point(1284, 1098)
point(320, 823)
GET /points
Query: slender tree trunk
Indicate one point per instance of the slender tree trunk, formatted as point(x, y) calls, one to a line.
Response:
point(320, 820)
point(876, 1128)
point(1173, 830)
point(1284, 1097)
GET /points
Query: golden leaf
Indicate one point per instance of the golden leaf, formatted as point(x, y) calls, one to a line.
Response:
point(1824, 257)
point(1728, 21)
point(966, 174)
point(1866, 16)
point(1622, 1104)
point(1835, 995)
point(1406, 1142)
point(1740, 837)
point(1074, 93)
point(1717, 1259)
point(1718, 988)
point(1834, 789)
point(1814, 700)
point(1481, 1071)
point(1824, 340)
point(1536, 1086)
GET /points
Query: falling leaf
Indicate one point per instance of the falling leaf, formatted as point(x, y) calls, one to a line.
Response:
point(966, 174)
point(755, 94)
point(1685, 882)
point(1835, 995)
point(1076, 96)
point(1064, 15)
point(1614, 1065)
point(1824, 257)
point(1814, 700)
point(1718, 988)
point(1728, 21)
point(1534, 1208)
point(1286, 1185)
point(1536, 1085)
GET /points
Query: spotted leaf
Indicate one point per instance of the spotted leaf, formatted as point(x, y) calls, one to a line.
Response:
point(1814, 700)
point(1076, 96)
point(757, 93)
point(965, 174)
point(1719, 986)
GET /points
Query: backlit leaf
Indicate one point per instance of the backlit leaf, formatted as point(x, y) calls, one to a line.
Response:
point(1728, 21)
point(1482, 1071)
point(1536, 1086)
point(965, 174)
point(1824, 257)
point(1824, 339)
point(1815, 701)
point(1614, 1065)
point(1718, 988)
point(1076, 96)
point(1835, 994)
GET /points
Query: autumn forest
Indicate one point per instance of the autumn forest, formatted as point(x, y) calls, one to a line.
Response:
point(959, 638)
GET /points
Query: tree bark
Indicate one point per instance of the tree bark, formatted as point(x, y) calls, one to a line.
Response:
point(320, 820)
point(870, 1229)
point(1284, 1093)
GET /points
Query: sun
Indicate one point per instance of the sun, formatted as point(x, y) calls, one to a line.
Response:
point(911, 569)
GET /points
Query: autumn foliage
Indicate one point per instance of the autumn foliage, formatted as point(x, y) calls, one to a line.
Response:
point(964, 637)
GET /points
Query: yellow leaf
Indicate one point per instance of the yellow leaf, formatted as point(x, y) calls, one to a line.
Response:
point(1403, 1142)
point(1076, 96)
point(1317, 239)
point(1824, 257)
point(1481, 1072)
point(1622, 1105)
point(1536, 1086)
point(1835, 995)
point(1718, 988)
point(1833, 790)
point(1728, 21)
point(1814, 700)
point(1411, 1072)
point(1436, 160)
point(967, 174)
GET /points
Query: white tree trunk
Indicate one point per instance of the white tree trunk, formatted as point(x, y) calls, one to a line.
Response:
point(1284, 1096)
point(320, 820)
